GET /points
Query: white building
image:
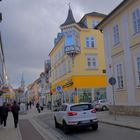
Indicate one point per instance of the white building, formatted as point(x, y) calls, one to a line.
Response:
point(121, 30)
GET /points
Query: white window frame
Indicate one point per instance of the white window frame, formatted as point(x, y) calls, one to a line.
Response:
point(136, 21)
point(91, 57)
point(136, 70)
point(90, 40)
point(116, 34)
point(118, 74)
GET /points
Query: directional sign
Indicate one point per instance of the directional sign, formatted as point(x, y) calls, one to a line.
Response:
point(112, 81)
point(59, 88)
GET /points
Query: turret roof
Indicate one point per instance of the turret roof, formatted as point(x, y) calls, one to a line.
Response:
point(70, 19)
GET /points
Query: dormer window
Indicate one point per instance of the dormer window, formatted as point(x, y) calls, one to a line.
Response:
point(85, 23)
point(95, 23)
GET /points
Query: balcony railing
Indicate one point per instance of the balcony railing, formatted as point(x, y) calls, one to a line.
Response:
point(72, 49)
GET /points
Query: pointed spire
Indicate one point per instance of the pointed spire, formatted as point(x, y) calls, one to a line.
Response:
point(22, 81)
point(22, 77)
point(70, 19)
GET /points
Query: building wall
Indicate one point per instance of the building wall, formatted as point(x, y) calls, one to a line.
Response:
point(1, 62)
point(78, 78)
point(124, 53)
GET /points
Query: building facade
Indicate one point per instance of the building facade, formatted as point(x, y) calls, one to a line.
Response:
point(121, 31)
point(77, 60)
point(33, 91)
point(6, 91)
point(1, 63)
point(47, 70)
point(1, 58)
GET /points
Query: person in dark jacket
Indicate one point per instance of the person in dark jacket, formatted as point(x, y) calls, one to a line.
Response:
point(4, 114)
point(0, 115)
point(38, 107)
point(15, 110)
point(30, 103)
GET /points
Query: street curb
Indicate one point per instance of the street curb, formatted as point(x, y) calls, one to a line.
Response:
point(121, 125)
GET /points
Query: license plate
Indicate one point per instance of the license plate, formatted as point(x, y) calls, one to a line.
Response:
point(87, 121)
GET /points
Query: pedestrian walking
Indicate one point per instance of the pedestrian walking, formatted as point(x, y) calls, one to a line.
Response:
point(0, 115)
point(30, 103)
point(4, 114)
point(38, 107)
point(15, 110)
point(27, 104)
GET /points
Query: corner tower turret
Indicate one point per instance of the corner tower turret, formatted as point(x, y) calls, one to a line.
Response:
point(71, 35)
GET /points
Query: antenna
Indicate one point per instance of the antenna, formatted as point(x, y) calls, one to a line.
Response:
point(69, 4)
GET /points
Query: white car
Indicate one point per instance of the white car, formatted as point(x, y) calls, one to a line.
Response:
point(102, 104)
point(76, 115)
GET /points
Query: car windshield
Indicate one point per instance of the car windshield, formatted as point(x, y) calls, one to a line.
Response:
point(81, 107)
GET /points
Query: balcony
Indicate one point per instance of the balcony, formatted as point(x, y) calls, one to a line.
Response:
point(72, 49)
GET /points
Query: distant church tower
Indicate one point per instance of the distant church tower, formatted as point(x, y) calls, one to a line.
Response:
point(22, 82)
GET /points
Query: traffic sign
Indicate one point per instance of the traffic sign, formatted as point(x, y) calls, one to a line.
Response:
point(112, 81)
point(59, 88)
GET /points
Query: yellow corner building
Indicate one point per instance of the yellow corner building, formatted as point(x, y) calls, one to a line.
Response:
point(77, 60)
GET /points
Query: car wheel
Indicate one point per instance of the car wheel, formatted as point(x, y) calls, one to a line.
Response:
point(65, 128)
point(56, 123)
point(104, 108)
point(94, 127)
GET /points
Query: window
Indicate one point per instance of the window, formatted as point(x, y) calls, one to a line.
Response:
point(116, 34)
point(119, 76)
point(85, 23)
point(91, 61)
point(137, 66)
point(87, 42)
point(95, 23)
point(90, 42)
point(81, 107)
point(69, 40)
point(136, 21)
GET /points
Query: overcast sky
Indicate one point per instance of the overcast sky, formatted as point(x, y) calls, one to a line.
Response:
point(29, 28)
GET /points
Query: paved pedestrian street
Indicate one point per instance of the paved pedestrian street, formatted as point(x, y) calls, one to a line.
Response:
point(40, 126)
point(28, 131)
